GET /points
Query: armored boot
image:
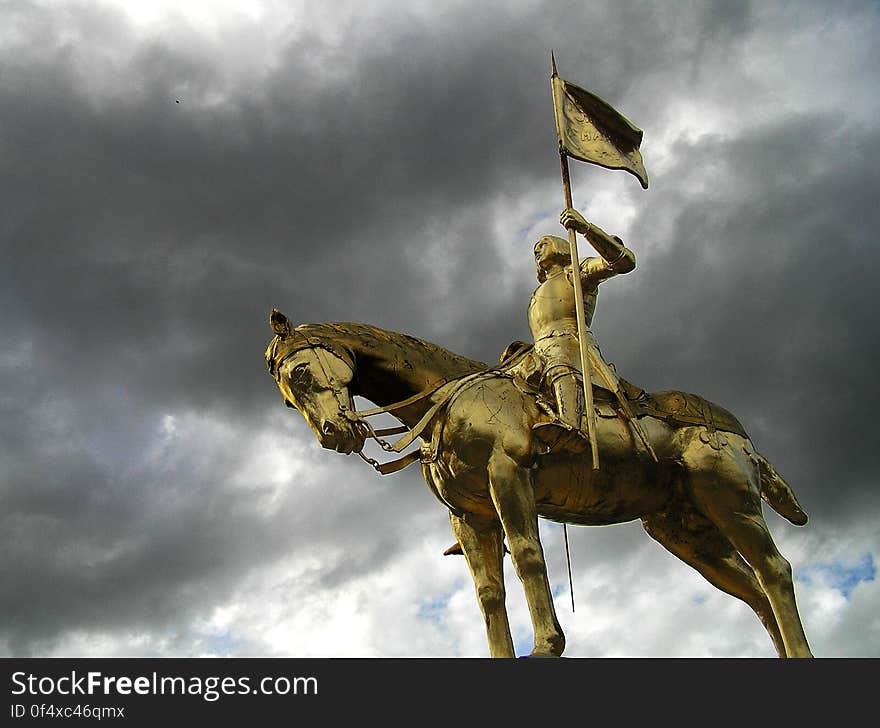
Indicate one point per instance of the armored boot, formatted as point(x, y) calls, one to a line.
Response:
point(566, 430)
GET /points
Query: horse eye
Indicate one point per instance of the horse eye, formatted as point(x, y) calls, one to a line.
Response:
point(300, 371)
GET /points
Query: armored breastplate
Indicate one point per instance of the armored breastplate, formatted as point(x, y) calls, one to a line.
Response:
point(552, 308)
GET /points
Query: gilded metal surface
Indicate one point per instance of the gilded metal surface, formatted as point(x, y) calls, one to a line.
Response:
point(554, 325)
point(591, 130)
point(551, 311)
point(703, 504)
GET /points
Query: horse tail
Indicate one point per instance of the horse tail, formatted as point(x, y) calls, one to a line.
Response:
point(778, 494)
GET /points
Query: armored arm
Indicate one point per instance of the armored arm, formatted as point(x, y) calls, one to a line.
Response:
point(614, 253)
point(616, 257)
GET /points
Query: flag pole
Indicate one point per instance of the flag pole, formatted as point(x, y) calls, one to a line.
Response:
point(590, 412)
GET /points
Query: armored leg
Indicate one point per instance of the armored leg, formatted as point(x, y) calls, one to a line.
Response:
point(568, 428)
point(567, 391)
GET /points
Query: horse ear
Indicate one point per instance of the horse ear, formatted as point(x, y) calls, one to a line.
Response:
point(279, 323)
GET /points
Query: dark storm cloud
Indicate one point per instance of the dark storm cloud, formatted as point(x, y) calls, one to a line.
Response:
point(159, 201)
point(146, 195)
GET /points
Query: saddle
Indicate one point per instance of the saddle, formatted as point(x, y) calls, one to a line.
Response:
point(679, 409)
point(520, 364)
point(683, 408)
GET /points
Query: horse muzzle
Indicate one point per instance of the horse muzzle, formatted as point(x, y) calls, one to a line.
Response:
point(345, 437)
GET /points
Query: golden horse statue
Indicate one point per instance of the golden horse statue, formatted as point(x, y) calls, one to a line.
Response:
point(701, 499)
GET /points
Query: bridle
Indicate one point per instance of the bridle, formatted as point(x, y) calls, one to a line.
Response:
point(321, 349)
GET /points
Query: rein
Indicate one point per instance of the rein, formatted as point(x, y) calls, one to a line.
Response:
point(394, 465)
point(320, 350)
point(343, 400)
point(417, 429)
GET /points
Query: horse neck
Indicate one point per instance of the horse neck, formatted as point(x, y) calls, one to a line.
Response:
point(391, 367)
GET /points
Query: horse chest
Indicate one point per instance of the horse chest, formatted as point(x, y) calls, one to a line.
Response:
point(461, 487)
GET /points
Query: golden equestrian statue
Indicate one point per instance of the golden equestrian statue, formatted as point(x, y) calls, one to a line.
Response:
point(701, 498)
point(552, 431)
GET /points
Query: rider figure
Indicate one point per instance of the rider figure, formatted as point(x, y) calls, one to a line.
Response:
point(553, 321)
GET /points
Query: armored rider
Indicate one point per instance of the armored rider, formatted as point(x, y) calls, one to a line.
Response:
point(553, 323)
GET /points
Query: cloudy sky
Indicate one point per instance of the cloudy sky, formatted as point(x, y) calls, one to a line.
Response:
point(173, 170)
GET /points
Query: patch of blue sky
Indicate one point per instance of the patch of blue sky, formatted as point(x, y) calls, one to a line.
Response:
point(434, 610)
point(523, 642)
point(843, 575)
point(223, 643)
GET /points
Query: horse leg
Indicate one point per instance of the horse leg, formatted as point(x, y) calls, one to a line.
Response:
point(514, 498)
point(728, 492)
point(484, 551)
point(697, 541)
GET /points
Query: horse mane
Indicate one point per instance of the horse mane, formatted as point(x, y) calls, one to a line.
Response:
point(362, 338)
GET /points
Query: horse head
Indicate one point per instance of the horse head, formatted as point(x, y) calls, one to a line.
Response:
point(314, 377)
